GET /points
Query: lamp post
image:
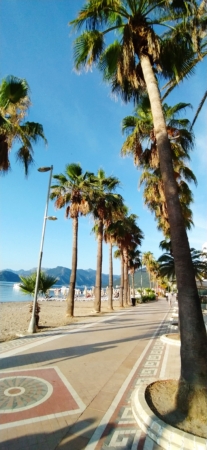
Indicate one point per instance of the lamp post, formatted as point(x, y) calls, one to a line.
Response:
point(32, 324)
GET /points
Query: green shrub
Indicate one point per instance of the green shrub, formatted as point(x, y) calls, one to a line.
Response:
point(148, 297)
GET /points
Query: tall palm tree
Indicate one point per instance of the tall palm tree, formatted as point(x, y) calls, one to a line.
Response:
point(147, 260)
point(134, 263)
point(72, 192)
point(130, 63)
point(106, 206)
point(127, 236)
point(152, 266)
point(110, 242)
point(14, 105)
point(119, 254)
point(109, 239)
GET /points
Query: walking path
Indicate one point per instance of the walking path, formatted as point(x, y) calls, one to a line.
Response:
point(71, 388)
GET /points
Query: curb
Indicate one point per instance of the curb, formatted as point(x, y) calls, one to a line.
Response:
point(168, 437)
point(167, 340)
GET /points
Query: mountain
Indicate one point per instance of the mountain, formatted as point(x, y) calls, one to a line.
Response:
point(83, 278)
point(8, 275)
point(141, 277)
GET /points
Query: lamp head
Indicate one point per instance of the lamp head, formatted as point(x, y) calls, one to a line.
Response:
point(51, 218)
point(44, 169)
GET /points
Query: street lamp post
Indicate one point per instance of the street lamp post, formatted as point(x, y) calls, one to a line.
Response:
point(32, 325)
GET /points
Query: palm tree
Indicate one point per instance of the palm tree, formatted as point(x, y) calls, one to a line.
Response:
point(140, 131)
point(147, 261)
point(119, 254)
point(27, 285)
point(127, 236)
point(109, 240)
point(72, 192)
point(14, 105)
point(130, 63)
point(152, 267)
point(134, 263)
point(106, 206)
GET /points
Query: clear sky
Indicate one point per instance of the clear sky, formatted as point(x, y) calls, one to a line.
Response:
point(82, 124)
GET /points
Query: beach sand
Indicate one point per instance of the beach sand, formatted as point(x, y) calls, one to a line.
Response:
point(15, 316)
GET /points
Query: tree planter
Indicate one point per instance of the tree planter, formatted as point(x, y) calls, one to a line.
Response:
point(165, 435)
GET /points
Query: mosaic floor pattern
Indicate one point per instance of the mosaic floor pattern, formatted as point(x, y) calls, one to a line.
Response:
point(36, 394)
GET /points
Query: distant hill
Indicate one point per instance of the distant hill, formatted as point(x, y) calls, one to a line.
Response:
point(8, 275)
point(84, 277)
point(145, 278)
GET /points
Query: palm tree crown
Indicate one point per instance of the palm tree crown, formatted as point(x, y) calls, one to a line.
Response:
point(167, 265)
point(140, 132)
point(72, 191)
point(14, 105)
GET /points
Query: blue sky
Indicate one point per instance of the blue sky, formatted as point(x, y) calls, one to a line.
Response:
point(82, 124)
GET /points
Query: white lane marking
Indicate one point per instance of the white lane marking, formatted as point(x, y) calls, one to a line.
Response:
point(105, 420)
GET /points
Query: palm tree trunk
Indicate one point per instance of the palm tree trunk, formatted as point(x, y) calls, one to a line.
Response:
point(150, 284)
point(192, 328)
point(97, 301)
point(110, 290)
point(71, 294)
point(121, 283)
point(125, 257)
point(132, 277)
point(129, 292)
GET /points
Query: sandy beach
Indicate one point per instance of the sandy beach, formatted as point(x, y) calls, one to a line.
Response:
point(15, 316)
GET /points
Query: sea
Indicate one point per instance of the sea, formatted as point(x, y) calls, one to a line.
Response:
point(9, 294)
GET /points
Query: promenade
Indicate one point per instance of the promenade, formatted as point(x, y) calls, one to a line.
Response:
point(71, 388)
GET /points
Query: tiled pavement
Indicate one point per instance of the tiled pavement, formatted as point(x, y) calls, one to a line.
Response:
point(71, 388)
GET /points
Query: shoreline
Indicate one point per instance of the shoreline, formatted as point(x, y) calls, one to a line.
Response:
point(15, 316)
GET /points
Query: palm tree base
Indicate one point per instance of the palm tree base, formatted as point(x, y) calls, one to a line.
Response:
point(179, 404)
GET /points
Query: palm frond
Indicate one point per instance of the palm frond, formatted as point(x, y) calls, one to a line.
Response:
point(199, 109)
point(34, 131)
point(13, 90)
point(87, 48)
point(24, 156)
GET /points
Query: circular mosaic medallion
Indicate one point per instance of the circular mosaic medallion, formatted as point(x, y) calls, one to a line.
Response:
point(23, 392)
